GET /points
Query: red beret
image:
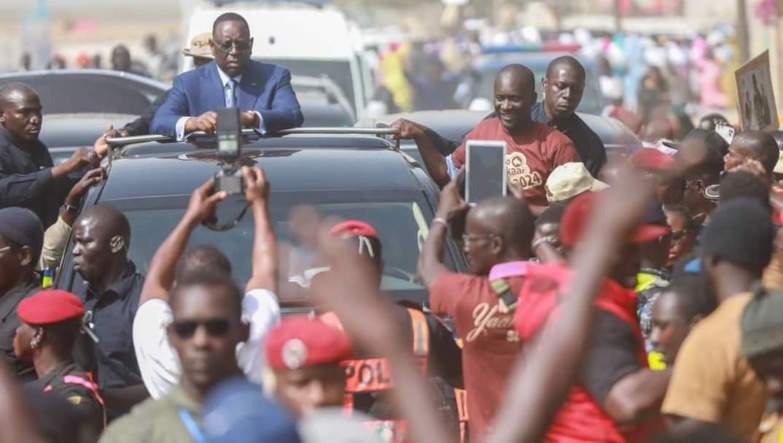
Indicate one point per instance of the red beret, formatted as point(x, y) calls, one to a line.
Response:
point(652, 160)
point(578, 213)
point(300, 341)
point(50, 307)
point(354, 228)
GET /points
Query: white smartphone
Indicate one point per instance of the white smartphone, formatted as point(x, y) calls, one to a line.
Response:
point(485, 170)
point(725, 131)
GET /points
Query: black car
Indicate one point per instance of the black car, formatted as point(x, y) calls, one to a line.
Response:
point(89, 91)
point(350, 177)
point(455, 124)
point(65, 133)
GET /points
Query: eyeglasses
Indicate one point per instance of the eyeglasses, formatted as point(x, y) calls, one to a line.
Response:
point(187, 329)
point(678, 235)
point(239, 46)
point(468, 239)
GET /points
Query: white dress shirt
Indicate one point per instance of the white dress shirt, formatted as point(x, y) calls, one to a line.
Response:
point(158, 361)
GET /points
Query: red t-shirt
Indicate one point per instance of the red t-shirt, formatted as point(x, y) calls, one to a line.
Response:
point(531, 157)
point(490, 344)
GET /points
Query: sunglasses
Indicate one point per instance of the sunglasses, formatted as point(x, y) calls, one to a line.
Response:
point(239, 46)
point(187, 329)
point(677, 235)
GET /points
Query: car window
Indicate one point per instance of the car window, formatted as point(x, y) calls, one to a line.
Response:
point(338, 71)
point(401, 220)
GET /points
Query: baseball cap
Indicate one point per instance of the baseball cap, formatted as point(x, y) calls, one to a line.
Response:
point(570, 180)
point(740, 232)
point(50, 307)
point(762, 324)
point(579, 212)
point(300, 341)
point(23, 227)
point(236, 411)
point(199, 46)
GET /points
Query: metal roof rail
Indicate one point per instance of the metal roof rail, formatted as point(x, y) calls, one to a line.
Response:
point(119, 142)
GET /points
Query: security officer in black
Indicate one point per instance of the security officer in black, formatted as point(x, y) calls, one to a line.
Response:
point(51, 321)
point(28, 177)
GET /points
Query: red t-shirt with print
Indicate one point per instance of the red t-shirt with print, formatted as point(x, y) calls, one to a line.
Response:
point(490, 343)
point(530, 158)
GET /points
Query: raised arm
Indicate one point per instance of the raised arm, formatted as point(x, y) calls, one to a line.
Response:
point(541, 381)
point(265, 260)
point(160, 277)
point(451, 207)
point(434, 161)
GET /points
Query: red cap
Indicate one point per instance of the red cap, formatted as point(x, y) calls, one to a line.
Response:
point(652, 159)
point(299, 342)
point(50, 307)
point(354, 228)
point(578, 213)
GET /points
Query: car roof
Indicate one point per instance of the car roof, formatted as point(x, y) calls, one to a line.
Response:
point(89, 90)
point(291, 163)
point(455, 124)
point(69, 130)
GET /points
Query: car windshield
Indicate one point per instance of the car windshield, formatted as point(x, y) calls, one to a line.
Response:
point(401, 219)
point(591, 99)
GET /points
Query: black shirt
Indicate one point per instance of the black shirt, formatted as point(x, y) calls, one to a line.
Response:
point(612, 355)
point(112, 321)
point(141, 126)
point(588, 145)
point(26, 179)
point(9, 321)
point(85, 400)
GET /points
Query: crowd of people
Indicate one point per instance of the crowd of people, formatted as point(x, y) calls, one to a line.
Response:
point(630, 298)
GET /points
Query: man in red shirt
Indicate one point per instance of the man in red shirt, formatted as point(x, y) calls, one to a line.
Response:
point(614, 396)
point(534, 149)
point(497, 244)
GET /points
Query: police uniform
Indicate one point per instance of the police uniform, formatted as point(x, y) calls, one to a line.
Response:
point(67, 380)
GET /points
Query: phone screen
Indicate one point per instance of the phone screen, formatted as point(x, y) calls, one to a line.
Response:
point(485, 170)
point(228, 132)
point(727, 132)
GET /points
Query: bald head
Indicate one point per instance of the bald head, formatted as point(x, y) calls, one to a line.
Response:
point(107, 220)
point(14, 93)
point(756, 145)
point(510, 219)
point(20, 112)
point(566, 62)
point(521, 76)
point(515, 95)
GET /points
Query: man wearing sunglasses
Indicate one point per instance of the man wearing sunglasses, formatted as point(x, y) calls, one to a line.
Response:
point(21, 240)
point(158, 362)
point(261, 91)
point(205, 330)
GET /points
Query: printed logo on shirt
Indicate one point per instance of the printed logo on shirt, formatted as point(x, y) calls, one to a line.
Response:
point(519, 172)
point(486, 317)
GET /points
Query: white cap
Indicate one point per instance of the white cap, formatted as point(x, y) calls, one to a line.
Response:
point(570, 180)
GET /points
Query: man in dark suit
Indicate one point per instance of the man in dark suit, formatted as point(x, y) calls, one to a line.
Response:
point(261, 91)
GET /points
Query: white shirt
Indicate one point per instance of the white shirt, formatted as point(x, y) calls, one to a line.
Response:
point(158, 362)
point(225, 80)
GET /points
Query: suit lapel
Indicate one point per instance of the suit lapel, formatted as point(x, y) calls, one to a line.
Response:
point(251, 87)
point(214, 96)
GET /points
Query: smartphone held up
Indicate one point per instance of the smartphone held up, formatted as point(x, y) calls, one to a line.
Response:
point(485, 170)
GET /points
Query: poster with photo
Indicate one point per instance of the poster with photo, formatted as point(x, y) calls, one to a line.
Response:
point(755, 96)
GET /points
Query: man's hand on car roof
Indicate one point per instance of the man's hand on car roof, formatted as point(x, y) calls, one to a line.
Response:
point(100, 147)
point(206, 122)
point(408, 130)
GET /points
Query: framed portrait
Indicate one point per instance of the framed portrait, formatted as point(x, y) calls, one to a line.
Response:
point(755, 96)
